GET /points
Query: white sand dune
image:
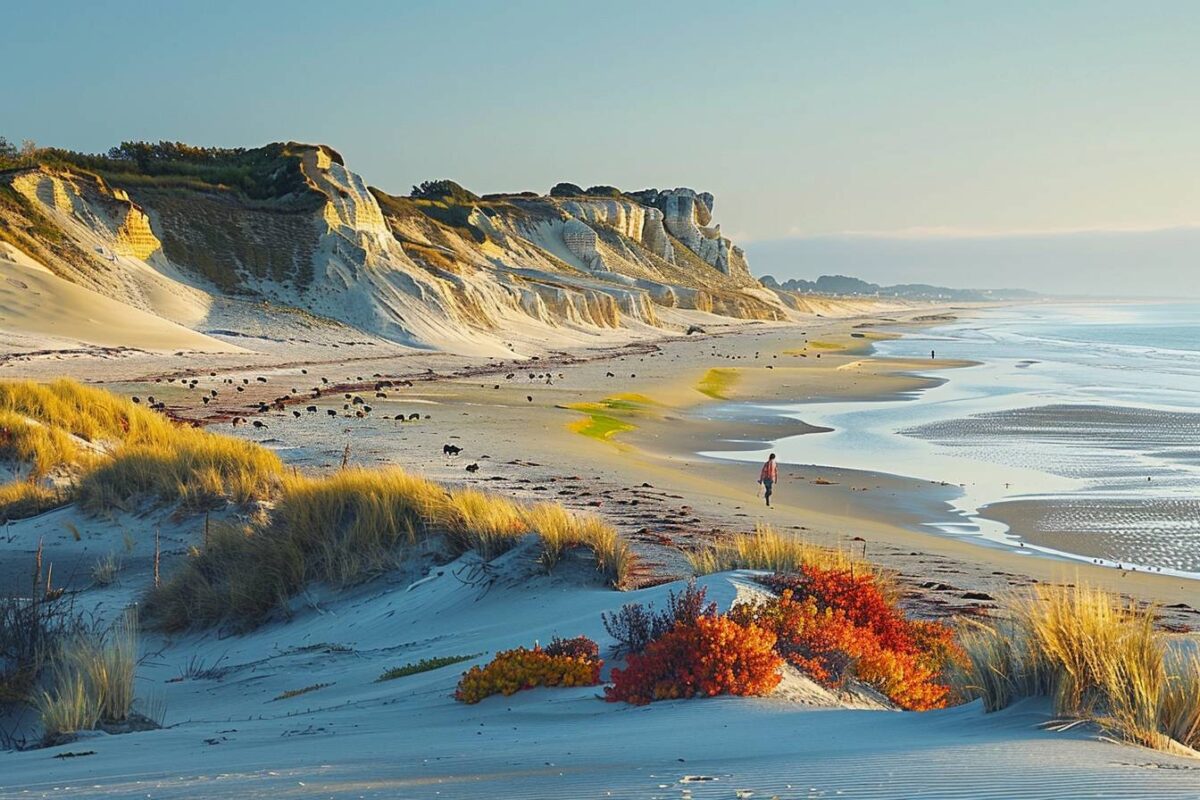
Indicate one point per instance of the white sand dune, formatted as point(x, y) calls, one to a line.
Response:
point(407, 738)
point(38, 305)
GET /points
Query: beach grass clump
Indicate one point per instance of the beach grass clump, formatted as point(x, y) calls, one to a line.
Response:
point(117, 451)
point(349, 525)
point(341, 529)
point(560, 530)
point(424, 665)
point(22, 499)
point(93, 680)
point(193, 468)
point(486, 523)
point(41, 448)
point(774, 551)
point(1097, 656)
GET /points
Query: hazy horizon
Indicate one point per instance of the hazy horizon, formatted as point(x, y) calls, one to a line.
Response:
point(806, 120)
point(1133, 264)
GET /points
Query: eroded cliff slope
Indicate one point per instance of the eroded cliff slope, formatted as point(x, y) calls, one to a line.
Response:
point(191, 234)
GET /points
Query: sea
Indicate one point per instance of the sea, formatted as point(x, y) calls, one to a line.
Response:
point(1077, 434)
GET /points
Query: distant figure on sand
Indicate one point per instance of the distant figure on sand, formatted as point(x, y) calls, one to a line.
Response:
point(768, 477)
point(932, 355)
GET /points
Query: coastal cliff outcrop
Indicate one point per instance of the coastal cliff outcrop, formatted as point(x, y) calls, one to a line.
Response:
point(185, 232)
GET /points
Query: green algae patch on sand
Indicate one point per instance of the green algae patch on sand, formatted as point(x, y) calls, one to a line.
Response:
point(603, 419)
point(717, 382)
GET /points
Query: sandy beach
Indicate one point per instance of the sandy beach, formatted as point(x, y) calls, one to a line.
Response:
point(591, 428)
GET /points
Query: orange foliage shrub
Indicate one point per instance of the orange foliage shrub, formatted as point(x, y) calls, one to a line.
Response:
point(705, 657)
point(513, 670)
point(832, 624)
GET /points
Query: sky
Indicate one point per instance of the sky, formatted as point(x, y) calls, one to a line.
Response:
point(832, 133)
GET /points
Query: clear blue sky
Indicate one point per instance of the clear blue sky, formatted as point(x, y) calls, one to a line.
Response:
point(805, 119)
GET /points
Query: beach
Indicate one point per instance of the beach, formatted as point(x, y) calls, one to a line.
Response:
point(590, 428)
point(648, 435)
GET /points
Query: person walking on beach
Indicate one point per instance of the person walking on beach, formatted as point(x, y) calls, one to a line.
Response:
point(768, 477)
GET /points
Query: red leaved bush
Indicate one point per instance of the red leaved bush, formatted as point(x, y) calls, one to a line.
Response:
point(707, 656)
point(833, 624)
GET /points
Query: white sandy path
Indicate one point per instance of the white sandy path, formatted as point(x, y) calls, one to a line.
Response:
point(408, 739)
point(36, 303)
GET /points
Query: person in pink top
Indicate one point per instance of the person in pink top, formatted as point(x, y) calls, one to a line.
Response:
point(768, 476)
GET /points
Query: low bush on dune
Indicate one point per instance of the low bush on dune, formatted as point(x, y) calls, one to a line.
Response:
point(833, 625)
point(702, 658)
point(1097, 657)
point(858, 636)
point(573, 664)
point(635, 625)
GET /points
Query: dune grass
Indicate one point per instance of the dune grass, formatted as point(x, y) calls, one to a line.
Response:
point(487, 523)
point(93, 680)
point(560, 530)
point(195, 469)
point(1097, 656)
point(717, 382)
point(119, 452)
point(771, 550)
point(354, 525)
point(21, 499)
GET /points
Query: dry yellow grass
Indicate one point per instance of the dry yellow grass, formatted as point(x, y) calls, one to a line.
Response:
point(22, 499)
point(1098, 657)
point(769, 549)
point(93, 679)
point(120, 451)
point(561, 530)
point(487, 523)
point(195, 468)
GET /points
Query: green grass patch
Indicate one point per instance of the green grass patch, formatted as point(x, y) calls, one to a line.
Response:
point(603, 420)
point(424, 665)
point(600, 426)
point(822, 345)
point(717, 382)
point(290, 693)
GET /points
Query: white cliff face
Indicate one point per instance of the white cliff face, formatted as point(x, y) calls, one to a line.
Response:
point(687, 215)
point(642, 224)
point(534, 269)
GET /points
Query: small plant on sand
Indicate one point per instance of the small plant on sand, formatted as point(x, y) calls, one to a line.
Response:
point(577, 647)
point(290, 693)
point(1097, 656)
point(424, 665)
point(709, 656)
point(106, 570)
point(513, 670)
point(634, 626)
point(92, 680)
